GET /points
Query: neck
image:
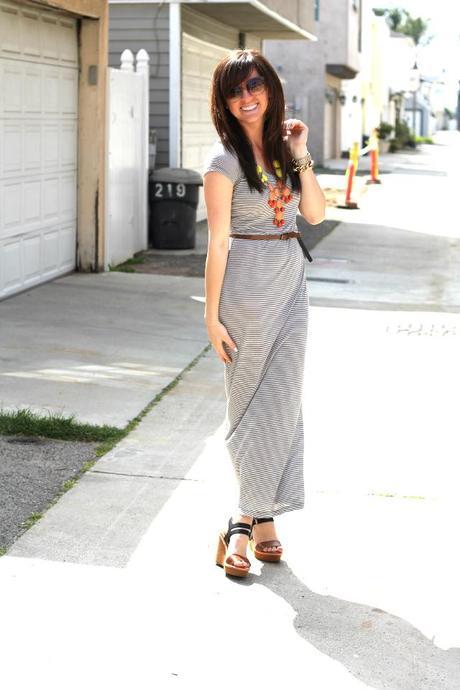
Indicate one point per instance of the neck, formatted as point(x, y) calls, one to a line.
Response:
point(254, 132)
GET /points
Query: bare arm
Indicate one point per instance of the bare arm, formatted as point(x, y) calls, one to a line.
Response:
point(218, 191)
point(312, 204)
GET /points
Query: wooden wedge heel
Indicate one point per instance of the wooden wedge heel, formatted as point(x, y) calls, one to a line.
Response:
point(259, 549)
point(228, 562)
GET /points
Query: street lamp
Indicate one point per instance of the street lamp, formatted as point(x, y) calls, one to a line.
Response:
point(414, 81)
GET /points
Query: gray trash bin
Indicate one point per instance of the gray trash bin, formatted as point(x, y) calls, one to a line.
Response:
point(173, 199)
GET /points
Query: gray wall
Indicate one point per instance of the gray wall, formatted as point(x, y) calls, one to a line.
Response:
point(137, 26)
point(300, 64)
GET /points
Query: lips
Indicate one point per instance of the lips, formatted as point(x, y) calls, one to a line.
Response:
point(249, 108)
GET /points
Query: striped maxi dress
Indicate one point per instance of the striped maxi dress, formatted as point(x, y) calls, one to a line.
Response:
point(264, 306)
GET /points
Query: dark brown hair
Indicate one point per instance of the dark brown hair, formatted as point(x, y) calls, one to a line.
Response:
point(230, 72)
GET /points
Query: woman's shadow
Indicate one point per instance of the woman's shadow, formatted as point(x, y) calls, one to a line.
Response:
point(376, 647)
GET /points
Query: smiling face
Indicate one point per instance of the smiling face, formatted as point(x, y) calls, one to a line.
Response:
point(249, 108)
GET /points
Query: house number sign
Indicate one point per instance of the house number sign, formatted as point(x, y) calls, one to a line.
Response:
point(167, 190)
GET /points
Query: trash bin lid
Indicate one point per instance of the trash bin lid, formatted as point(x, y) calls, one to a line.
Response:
point(175, 175)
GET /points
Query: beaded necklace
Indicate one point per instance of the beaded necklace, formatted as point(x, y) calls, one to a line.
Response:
point(278, 194)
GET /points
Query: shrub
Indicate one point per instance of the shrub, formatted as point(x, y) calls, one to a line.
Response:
point(384, 130)
point(424, 140)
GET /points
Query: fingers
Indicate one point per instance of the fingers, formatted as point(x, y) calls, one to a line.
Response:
point(222, 342)
point(231, 346)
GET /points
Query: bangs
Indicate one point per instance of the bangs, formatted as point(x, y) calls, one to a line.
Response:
point(237, 69)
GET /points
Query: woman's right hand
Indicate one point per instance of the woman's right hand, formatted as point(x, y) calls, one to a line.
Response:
point(218, 335)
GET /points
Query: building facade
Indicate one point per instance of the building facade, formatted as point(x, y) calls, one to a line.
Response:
point(185, 40)
point(314, 74)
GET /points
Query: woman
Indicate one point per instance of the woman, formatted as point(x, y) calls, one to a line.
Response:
point(255, 180)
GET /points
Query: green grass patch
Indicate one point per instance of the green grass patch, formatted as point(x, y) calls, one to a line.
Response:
point(27, 423)
point(126, 266)
point(31, 520)
point(2, 552)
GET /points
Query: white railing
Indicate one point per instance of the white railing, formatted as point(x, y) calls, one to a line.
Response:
point(127, 158)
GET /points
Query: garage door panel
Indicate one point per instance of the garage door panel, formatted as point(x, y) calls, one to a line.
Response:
point(50, 37)
point(11, 266)
point(12, 89)
point(12, 149)
point(31, 258)
point(32, 90)
point(67, 247)
point(68, 47)
point(68, 138)
point(51, 91)
point(9, 30)
point(32, 201)
point(50, 252)
point(68, 93)
point(51, 198)
point(50, 157)
point(32, 148)
point(68, 197)
point(38, 146)
point(30, 34)
point(11, 205)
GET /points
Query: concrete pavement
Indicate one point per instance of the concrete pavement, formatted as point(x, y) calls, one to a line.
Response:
point(367, 594)
point(121, 568)
point(99, 346)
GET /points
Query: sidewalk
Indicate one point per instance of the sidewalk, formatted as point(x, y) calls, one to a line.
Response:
point(99, 346)
point(118, 578)
point(367, 594)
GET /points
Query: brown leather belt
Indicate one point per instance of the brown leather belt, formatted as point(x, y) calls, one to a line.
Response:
point(279, 236)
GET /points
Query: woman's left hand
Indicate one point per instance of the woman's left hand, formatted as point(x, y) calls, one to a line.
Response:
point(295, 134)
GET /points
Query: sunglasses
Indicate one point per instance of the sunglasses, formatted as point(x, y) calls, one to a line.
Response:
point(254, 85)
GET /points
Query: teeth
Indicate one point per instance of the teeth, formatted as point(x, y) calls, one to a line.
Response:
point(249, 107)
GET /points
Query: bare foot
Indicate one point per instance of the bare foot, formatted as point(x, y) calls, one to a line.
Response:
point(266, 531)
point(238, 543)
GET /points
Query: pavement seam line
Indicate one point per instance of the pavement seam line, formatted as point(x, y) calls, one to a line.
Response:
point(143, 476)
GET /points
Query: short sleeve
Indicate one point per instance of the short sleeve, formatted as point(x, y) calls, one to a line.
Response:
point(221, 160)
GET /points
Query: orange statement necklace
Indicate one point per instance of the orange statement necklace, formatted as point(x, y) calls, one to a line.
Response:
point(278, 194)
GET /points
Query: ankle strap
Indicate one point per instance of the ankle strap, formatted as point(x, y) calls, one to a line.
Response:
point(258, 520)
point(238, 528)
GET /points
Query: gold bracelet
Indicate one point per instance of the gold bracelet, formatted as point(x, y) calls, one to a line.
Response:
point(301, 164)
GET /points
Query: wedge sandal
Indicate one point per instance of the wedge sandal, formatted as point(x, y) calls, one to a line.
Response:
point(259, 549)
point(228, 562)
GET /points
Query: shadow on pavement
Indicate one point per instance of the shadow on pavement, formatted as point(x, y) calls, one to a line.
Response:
point(377, 647)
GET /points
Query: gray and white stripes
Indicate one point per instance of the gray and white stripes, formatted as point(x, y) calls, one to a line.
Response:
point(264, 306)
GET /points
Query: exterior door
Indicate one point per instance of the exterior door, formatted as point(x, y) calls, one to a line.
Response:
point(38, 145)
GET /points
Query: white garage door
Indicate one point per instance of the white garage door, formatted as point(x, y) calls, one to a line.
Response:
point(38, 145)
point(198, 134)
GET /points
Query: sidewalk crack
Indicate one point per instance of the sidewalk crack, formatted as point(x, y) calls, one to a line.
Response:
point(145, 476)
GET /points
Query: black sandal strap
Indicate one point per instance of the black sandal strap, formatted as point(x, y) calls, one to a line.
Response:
point(258, 520)
point(237, 528)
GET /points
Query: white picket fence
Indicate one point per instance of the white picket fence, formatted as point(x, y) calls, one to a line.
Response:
point(127, 158)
